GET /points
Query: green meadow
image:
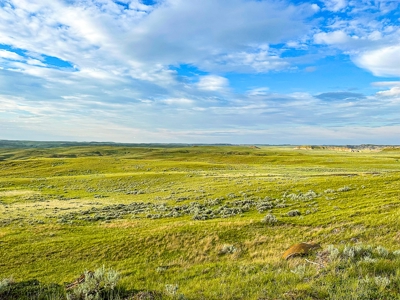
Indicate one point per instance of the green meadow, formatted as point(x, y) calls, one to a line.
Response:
point(200, 222)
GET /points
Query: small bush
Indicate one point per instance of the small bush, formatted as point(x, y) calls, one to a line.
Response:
point(293, 213)
point(171, 289)
point(382, 281)
point(99, 284)
point(344, 189)
point(269, 219)
point(299, 270)
point(5, 283)
point(396, 253)
point(333, 253)
point(228, 249)
point(382, 251)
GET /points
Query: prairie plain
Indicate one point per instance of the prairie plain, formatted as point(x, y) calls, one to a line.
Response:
point(200, 222)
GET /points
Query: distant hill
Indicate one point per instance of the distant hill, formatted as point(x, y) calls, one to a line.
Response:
point(56, 144)
point(348, 148)
point(15, 144)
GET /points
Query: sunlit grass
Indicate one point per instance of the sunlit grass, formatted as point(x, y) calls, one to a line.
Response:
point(67, 210)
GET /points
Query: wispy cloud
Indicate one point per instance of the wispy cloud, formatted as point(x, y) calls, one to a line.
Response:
point(213, 83)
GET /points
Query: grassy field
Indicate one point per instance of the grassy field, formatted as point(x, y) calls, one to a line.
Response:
point(201, 222)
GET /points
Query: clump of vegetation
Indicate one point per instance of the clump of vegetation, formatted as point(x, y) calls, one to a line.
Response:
point(209, 209)
point(371, 272)
point(344, 189)
point(293, 213)
point(171, 289)
point(228, 249)
point(309, 195)
point(99, 284)
point(5, 283)
point(269, 219)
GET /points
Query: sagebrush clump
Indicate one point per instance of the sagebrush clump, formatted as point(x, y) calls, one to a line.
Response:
point(99, 284)
point(269, 219)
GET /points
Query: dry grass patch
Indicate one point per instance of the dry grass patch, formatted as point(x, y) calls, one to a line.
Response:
point(15, 193)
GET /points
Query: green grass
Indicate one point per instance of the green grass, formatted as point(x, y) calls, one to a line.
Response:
point(67, 210)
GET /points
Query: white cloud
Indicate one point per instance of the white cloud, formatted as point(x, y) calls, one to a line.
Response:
point(250, 117)
point(10, 55)
point(393, 92)
point(375, 36)
point(141, 37)
point(35, 62)
point(386, 83)
point(263, 91)
point(335, 37)
point(335, 5)
point(213, 83)
point(364, 30)
point(315, 7)
point(178, 101)
point(384, 61)
point(261, 60)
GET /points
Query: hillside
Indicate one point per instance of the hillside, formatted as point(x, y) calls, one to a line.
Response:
point(201, 222)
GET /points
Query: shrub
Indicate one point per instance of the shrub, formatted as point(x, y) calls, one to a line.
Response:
point(171, 289)
point(99, 284)
point(344, 189)
point(333, 253)
point(382, 251)
point(4, 283)
point(396, 253)
point(299, 270)
point(264, 205)
point(269, 219)
point(294, 213)
point(382, 281)
point(228, 249)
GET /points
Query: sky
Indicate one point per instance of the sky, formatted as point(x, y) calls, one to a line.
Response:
point(201, 71)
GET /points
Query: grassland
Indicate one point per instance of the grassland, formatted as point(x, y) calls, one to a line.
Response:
point(189, 222)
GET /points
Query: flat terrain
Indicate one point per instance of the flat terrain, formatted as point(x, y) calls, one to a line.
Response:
point(190, 222)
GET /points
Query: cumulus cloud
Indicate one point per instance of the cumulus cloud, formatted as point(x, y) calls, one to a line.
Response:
point(393, 92)
point(335, 37)
point(384, 61)
point(394, 89)
point(367, 31)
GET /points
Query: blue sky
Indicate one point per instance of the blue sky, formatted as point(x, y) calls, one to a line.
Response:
point(201, 71)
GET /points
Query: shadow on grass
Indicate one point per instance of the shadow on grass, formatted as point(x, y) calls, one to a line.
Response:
point(35, 290)
point(32, 290)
